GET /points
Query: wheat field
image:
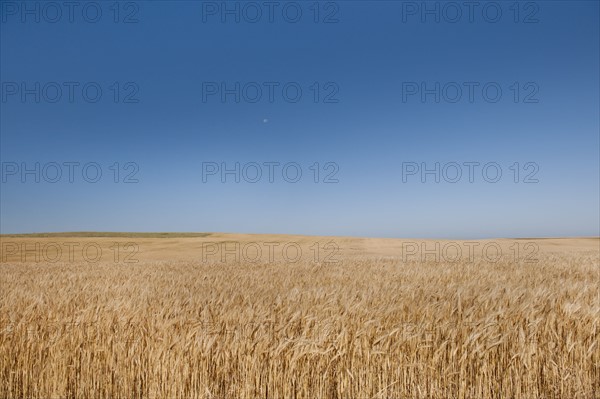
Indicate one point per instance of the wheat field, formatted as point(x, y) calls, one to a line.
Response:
point(350, 318)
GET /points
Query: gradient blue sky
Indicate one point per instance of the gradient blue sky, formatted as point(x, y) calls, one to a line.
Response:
point(369, 133)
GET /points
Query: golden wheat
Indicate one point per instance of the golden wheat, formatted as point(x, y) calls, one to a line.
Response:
point(365, 327)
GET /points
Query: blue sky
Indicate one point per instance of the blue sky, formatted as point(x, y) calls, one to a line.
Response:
point(364, 126)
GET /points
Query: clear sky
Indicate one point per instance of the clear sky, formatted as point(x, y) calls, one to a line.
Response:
point(368, 115)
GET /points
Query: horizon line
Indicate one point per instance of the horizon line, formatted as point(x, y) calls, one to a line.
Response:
point(193, 234)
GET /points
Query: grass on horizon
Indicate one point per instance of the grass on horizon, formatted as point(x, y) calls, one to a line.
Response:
point(93, 234)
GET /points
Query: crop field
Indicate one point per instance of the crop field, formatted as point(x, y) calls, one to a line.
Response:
point(256, 316)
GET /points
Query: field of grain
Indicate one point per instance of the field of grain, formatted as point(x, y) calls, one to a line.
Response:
point(168, 317)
